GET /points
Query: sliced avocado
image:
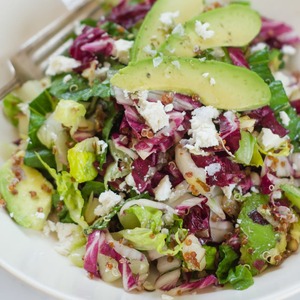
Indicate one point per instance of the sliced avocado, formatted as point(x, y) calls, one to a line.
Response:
point(234, 25)
point(257, 240)
point(219, 84)
point(152, 32)
point(26, 192)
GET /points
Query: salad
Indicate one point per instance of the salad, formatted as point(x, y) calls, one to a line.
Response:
point(162, 150)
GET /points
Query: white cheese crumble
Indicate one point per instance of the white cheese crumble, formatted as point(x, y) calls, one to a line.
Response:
point(67, 78)
point(203, 31)
point(153, 113)
point(176, 63)
point(212, 81)
point(102, 146)
point(284, 118)
point(61, 64)
point(258, 47)
point(163, 190)
point(121, 50)
point(205, 75)
point(179, 29)
point(289, 83)
point(157, 61)
point(168, 19)
point(269, 140)
point(288, 50)
point(169, 107)
point(212, 169)
point(107, 200)
point(203, 130)
point(148, 50)
point(39, 215)
point(202, 59)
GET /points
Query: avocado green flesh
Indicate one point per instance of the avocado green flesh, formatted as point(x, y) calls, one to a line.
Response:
point(151, 32)
point(26, 208)
point(233, 26)
point(260, 238)
point(218, 84)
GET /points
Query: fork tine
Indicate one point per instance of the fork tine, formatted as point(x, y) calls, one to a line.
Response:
point(31, 60)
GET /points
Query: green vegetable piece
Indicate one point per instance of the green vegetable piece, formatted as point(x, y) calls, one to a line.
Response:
point(228, 258)
point(240, 277)
point(219, 84)
point(210, 257)
point(234, 25)
point(26, 192)
point(152, 32)
point(81, 159)
point(292, 193)
point(11, 109)
point(258, 240)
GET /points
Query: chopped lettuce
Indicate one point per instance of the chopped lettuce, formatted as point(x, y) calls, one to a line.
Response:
point(11, 109)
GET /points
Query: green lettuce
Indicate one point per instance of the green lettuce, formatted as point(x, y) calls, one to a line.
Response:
point(11, 109)
point(240, 277)
point(69, 193)
point(39, 108)
point(82, 157)
point(78, 88)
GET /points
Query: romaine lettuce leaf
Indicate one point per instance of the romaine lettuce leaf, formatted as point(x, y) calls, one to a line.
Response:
point(240, 277)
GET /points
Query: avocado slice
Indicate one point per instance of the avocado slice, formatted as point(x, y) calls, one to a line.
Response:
point(152, 32)
point(26, 192)
point(257, 239)
point(234, 25)
point(219, 84)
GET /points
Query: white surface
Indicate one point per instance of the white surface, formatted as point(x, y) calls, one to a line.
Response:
point(32, 258)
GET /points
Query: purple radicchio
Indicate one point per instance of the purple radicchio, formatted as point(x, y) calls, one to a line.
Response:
point(221, 171)
point(90, 43)
point(128, 15)
point(237, 57)
point(194, 286)
point(102, 242)
point(276, 34)
point(230, 130)
point(265, 117)
point(196, 220)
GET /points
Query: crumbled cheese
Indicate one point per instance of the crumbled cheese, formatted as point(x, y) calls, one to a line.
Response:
point(289, 82)
point(212, 169)
point(102, 146)
point(148, 50)
point(11, 214)
point(288, 50)
point(169, 107)
point(254, 190)
point(163, 191)
point(284, 118)
point(107, 200)
point(61, 64)
point(176, 63)
point(169, 49)
point(203, 130)
point(130, 180)
point(277, 194)
point(202, 59)
point(157, 61)
point(269, 140)
point(202, 30)
point(39, 215)
point(258, 47)
point(153, 113)
point(218, 52)
point(212, 81)
point(168, 19)
point(227, 190)
point(121, 50)
point(205, 75)
point(180, 128)
point(67, 78)
point(178, 29)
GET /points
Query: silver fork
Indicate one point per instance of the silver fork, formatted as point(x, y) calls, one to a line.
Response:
point(31, 60)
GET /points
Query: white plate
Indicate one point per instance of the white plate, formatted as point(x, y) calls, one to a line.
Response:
point(31, 257)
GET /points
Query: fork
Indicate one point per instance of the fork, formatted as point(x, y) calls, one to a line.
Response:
point(31, 60)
